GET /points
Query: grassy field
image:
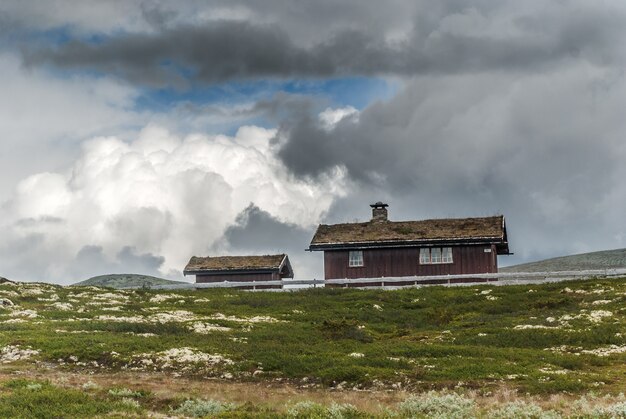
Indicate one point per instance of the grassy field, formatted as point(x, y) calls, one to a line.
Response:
point(483, 350)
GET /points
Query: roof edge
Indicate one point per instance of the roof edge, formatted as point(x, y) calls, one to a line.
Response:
point(405, 243)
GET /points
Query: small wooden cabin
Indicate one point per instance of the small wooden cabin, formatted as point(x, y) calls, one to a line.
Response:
point(382, 248)
point(240, 269)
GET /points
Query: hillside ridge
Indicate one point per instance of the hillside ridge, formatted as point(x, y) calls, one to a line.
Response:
point(126, 280)
point(603, 259)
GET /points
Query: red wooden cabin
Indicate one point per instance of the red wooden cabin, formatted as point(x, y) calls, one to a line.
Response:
point(240, 269)
point(382, 248)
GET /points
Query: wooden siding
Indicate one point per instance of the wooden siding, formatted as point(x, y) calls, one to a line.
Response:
point(379, 263)
point(242, 277)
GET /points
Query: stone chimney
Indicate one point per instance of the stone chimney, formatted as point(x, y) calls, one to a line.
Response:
point(379, 212)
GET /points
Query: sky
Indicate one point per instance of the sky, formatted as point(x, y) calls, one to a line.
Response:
point(135, 134)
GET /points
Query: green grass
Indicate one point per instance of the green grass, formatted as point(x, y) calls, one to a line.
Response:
point(27, 399)
point(21, 398)
point(426, 338)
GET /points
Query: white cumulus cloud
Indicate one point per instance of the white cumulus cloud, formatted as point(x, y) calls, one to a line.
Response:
point(159, 198)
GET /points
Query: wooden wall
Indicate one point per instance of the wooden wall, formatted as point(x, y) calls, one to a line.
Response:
point(393, 262)
point(257, 277)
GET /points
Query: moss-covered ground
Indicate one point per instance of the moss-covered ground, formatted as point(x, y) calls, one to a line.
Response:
point(542, 340)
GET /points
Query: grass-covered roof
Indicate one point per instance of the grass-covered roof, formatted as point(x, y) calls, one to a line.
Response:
point(484, 229)
point(235, 263)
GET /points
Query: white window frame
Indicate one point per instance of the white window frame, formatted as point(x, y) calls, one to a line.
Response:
point(435, 255)
point(424, 256)
point(355, 258)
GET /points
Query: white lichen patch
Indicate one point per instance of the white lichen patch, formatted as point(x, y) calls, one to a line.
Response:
point(30, 314)
point(356, 355)
point(112, 308)
point(121, 319)
point(12, 353)
point(595, 316)
point(182, 356)
point(18, 320)
point(172, 316)
point(80, 295)
point(255, 319)
point(377, 307)
point(51, 297)
point(600, 302)
point(162, 317)
point(62, 306)
point(549, 370)
point(160, 298)
point(515, 376)
point(205, 328)
point(5, 302)
point(605, 351)
point(77, 332)
point(201, 300)
point(533, 326)
point(587, 292)
point(108, 296)
point(31, 291)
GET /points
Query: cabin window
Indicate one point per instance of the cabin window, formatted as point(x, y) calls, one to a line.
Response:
point(431, 255)
point(435, 255)
point(355, 258)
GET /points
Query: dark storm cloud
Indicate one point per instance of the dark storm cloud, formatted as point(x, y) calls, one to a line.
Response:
point(258, 232)
point(452, 41)
point(254, 226)
point(544, 149)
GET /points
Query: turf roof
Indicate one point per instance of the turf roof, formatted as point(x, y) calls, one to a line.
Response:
point(234, 263)
point(483, 229)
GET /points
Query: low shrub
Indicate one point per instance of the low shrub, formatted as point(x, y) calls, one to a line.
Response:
point(125, 392)
point(522, 410)
point(312, 410)
point(345, 329)
point(438, 405)
point(199, 408)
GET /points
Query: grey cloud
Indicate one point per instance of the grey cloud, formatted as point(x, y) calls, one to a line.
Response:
point(24, 256)
point(34, 222)
point(91, 261)
point(450, 41)
point(254, 226)
point(32, 258)
point(543, 149)
point(257, 232)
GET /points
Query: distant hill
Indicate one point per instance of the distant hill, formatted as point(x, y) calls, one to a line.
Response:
point(3, 280)
point(606, 259)
point(126, 280)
